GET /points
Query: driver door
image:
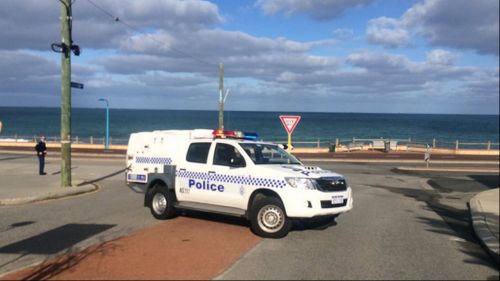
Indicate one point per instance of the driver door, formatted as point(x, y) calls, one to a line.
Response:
point(228, 170)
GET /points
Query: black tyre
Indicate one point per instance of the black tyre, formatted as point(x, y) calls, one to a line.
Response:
point(161, 203)
point(268, 218)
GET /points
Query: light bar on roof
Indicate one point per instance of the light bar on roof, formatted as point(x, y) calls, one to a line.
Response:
point(234, 134)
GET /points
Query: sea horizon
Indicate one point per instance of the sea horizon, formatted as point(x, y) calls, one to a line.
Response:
point(325, 127)
point(237, 110)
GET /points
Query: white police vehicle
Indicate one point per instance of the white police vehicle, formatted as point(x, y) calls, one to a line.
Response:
point(231, 173)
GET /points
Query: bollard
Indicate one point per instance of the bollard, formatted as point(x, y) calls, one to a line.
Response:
point(91, 140)
point(337, 142)
point(489, 145)
point(318, 143)
point(433, 143)
point(76, 139)
point(456, 145)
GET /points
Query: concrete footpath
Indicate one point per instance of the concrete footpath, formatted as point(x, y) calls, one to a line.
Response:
point(21, 184)
point(484, 209)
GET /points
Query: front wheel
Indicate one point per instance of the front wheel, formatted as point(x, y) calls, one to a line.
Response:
point(268, 218)
point(162, 203)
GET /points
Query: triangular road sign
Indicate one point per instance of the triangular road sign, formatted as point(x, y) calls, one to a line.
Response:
point(289, 122)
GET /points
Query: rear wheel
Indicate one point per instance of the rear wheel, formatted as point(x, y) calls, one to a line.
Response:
point(162, 203)
point(268, 218)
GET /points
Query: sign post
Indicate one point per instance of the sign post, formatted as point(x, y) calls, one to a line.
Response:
point(289, 122)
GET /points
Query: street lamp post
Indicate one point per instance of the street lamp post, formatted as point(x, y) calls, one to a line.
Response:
point(107, 121)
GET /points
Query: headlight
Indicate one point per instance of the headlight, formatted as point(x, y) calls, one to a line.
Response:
point(302, 183)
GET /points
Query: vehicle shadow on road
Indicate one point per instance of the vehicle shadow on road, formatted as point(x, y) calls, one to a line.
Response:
point(320, 223)
point(298, 225)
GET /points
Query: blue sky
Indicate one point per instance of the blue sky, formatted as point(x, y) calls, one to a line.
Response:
point(388, 56)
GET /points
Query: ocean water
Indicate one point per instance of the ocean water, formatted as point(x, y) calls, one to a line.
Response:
point(28, 122)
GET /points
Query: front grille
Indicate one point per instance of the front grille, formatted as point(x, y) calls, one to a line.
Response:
point(325, 204)
point(331, 184)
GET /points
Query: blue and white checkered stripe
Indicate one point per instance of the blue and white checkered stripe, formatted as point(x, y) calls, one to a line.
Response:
point(153, 160)
point(263, 182)
point(191, 175)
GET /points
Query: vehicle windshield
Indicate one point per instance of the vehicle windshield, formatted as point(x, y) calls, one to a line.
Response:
point(261, 153)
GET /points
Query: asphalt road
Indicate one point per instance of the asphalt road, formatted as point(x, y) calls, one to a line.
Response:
point(400, 228)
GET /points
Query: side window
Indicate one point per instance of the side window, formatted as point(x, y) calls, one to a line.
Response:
point(228, 155)
point(198, 152)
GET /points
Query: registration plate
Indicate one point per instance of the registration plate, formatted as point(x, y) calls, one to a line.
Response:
point(337, 199)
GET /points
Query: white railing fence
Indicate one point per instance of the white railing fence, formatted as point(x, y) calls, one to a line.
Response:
point(318, 143)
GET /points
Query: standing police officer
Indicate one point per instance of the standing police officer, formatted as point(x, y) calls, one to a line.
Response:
point(40, 152)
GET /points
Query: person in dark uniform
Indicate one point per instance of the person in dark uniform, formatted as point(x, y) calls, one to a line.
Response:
point(41, 150)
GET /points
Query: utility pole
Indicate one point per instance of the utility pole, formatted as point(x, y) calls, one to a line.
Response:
point(66, 47)
point(221, 96)
point(66, 93)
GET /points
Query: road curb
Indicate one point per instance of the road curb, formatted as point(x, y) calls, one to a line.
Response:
point(346, 160)
point(424, 183)
point(482, 228)
point(74, 191)
point(448, 169)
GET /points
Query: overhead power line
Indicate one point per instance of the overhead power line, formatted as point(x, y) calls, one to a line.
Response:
point(117, 19)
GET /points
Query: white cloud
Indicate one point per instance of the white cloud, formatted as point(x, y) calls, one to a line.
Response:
point(318, 10)
point(173, 61)
point(440, 57)
point(388, 32)
point(37, 26)
point(244, 55)
point(460, 24)
point(380, 74)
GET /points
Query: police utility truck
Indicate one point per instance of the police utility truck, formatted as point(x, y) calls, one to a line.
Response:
point(230, 172)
